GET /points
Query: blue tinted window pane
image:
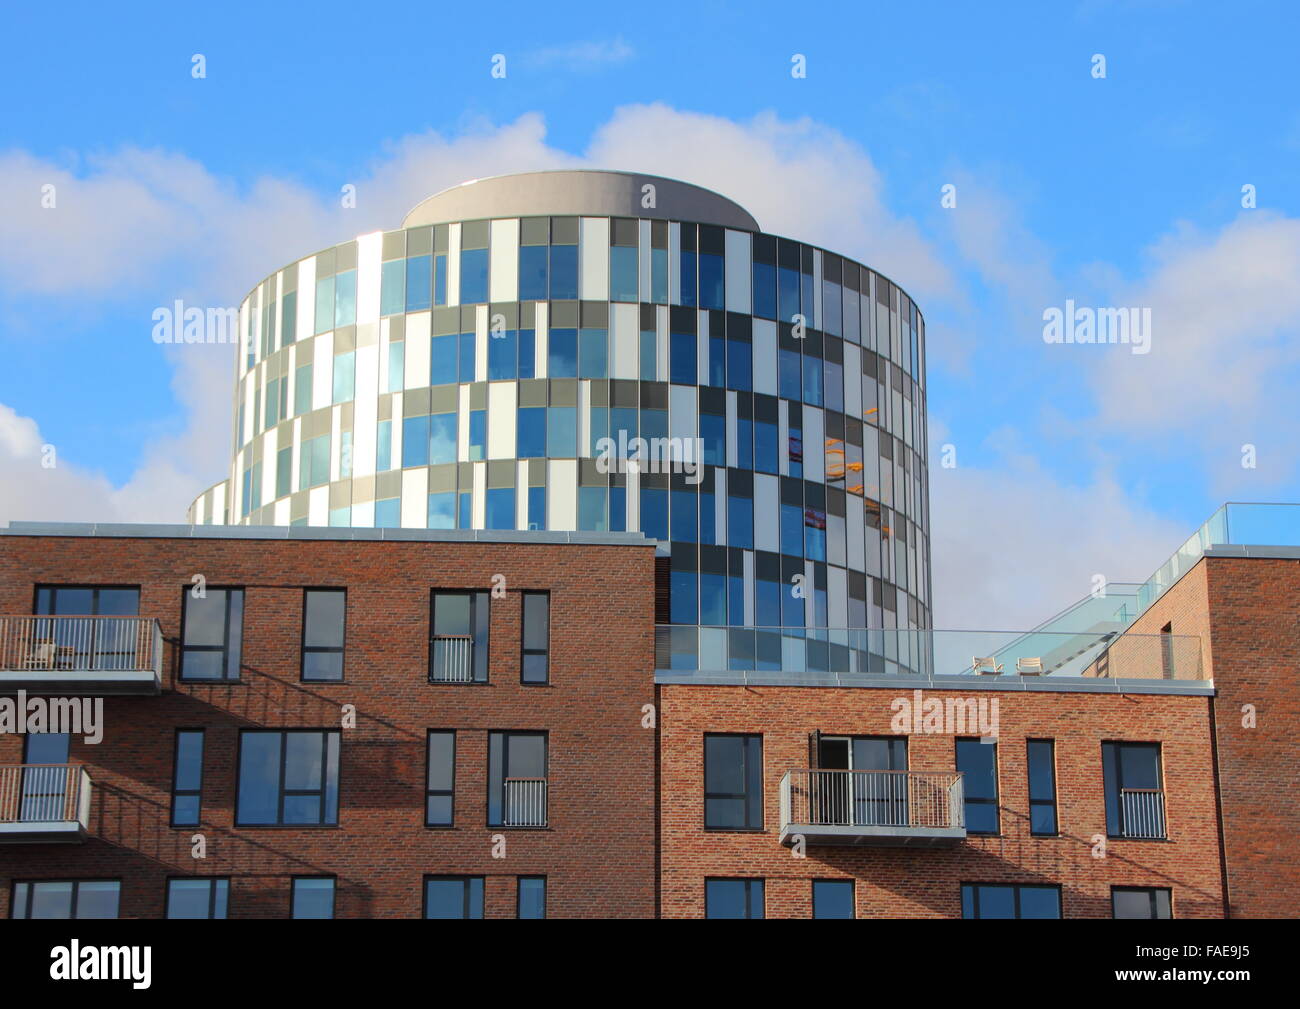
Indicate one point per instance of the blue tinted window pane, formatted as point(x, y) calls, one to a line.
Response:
point(564, 272)
point(1040, 902)
point(654, 513)
point(468, 361)
point(832, 302)
point(531, 439)
point(415, 441)
point(649, 356)
point(832, 899)
point(682, 594)
point(527, 353)
point(324, 304)
point(708, 519)
point(442, 510)
point(418, 283)
point(440, 279)
point(392, 287)
point(259, 778)
point(599, 430)
point(733, 898)
point(659, 276)
point(473, 276)
point(388, 513)
point(465, 510)
point(536, 507)
point(740, 522)
point(532, 897)
point(683, 358)
point(562, 350)
point(345, 298)
point(617, 509)
point(477, 435)
point(792, 530)
point(442, 360)
point(622, 273)
point(711, 281)
point(442, 438)
point(313, 898)
point(562, 432)
point(765, 447)
point(396, 366)
point(532, 272)
point(744, 443)
point(503, 355)
point(345, 376)
point(788, 294)
point(688, 279)
point(812, 381)
point(713, 599)
point(814, 521)
point(713, 433)
point(500, 508)
point(791, 386)
point(592, 353)
point(591, 509)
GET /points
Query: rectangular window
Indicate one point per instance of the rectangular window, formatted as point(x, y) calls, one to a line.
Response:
point(1135, 798)
point(440, 784)
point(288, 778)
point(1140, 902)
point(453, 896)
point(302, 386)
point(86, 898)
point(733, 782)
point(473, 276)
point(535, 663)
point(458, 640)
point(187, 778)
point(983, 900)
point(1042, 787)
point(86, 644)
point(517, 785)
point(313, 897)
point(978, 763)
point(212, 634)
point(323, 618)
point(833, 898)
point(531, 900)
point(197, 898)
point(733, 898)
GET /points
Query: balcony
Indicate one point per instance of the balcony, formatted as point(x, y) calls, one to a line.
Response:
point(452, 659)
point(1142, 813)
point(880, 808)
point(86, 656)
point(525, 802)
point(44, 803)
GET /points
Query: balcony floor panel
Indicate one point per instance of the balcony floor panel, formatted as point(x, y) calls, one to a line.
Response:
point(81, 682)
point(42, 832)
point(872, 836)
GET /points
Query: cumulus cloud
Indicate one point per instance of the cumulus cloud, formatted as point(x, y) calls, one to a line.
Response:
point(1012, 544)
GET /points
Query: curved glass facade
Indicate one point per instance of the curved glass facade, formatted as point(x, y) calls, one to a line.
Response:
point(497, 374)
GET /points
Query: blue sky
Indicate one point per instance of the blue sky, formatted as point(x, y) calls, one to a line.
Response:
point(1119, 191)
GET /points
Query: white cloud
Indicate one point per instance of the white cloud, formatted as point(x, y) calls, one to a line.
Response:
point(582, 57)
point(1012, 545)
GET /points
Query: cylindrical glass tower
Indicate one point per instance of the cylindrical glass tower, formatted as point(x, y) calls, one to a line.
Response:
point(484, 366)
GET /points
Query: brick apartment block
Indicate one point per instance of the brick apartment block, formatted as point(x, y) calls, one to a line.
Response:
point(626, 786)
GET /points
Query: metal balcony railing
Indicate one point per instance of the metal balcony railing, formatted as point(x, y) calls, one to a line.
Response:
point(917, 801)
point(1142, 813)
point(79, 644)
point(525, 802)
point(43, 794)
point(453, 659)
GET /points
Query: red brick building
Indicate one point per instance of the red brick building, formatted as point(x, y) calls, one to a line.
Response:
point(368, 804)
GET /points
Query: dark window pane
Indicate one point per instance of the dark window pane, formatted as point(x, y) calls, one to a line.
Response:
point(832, 898)
point(532, 896)
point(313, 898)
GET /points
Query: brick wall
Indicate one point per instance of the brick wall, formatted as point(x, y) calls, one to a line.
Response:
point(916, 882)
point(598, 852)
